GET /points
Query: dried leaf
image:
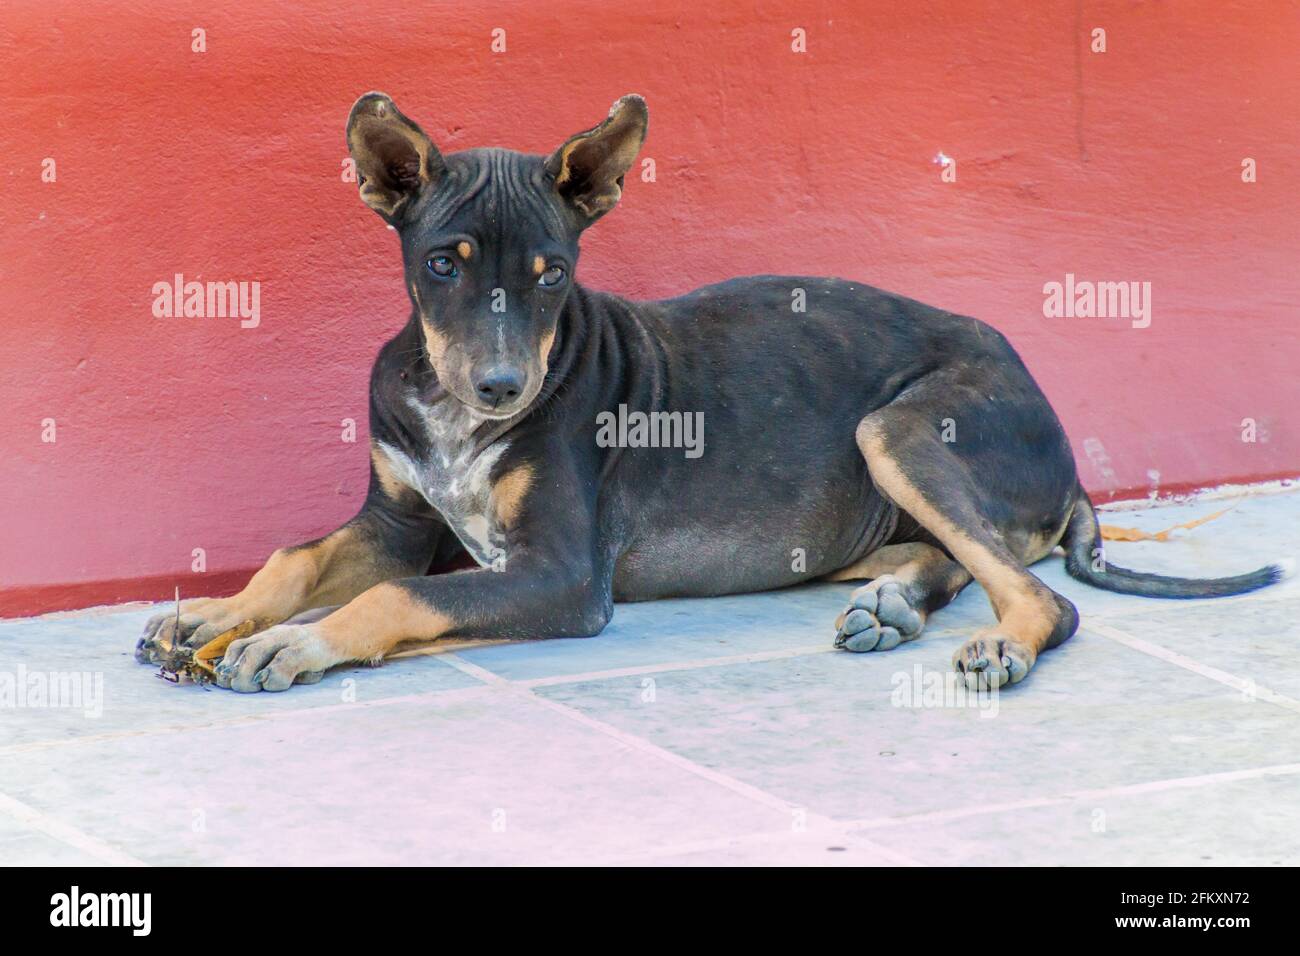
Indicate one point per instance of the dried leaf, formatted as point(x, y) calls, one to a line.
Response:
point(212, 651)
point(1110, 532)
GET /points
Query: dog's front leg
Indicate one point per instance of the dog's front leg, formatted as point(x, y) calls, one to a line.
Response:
point(534, 599)
point(391, 537)
point(552, 584)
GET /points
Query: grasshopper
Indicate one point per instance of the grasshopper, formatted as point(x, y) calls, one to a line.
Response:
point(181, 664)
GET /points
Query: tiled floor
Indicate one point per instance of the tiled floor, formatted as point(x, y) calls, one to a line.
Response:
point(697, 732)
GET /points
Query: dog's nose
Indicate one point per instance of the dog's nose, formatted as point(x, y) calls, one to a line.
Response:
point(499, 385)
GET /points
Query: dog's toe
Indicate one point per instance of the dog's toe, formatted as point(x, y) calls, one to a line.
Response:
point(893, 609)
point(861, 641)
point(992, 660)
point(276, 659)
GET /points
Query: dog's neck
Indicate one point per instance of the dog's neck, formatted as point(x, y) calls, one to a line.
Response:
point(453, 472)
point(448, 424)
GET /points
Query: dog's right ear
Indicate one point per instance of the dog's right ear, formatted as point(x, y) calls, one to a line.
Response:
point(395, 160)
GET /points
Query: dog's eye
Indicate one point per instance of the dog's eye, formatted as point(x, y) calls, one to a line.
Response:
point(441, 266)
point(552, 276)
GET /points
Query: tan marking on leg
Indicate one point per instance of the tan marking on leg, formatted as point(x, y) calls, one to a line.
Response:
point(1025, 608)
point(1039, 545)
point(371, 624)
point(364, 629)
point(918, 562)
point(286, 583)
point(333, 570)
point(886, 560)
point(508, 494)
point(464, 250)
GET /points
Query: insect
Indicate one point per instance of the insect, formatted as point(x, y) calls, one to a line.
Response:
point(181, 664)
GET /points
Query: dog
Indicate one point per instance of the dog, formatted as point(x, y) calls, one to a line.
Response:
point(865, 437)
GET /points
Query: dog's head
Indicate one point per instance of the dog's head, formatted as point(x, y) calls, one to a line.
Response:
point(490, 239)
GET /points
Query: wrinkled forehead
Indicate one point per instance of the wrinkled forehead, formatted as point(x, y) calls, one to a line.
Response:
point(497, 196)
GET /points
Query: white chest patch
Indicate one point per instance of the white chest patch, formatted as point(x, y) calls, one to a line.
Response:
point(454, 480)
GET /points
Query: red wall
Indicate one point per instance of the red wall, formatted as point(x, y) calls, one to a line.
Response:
point(175, 434)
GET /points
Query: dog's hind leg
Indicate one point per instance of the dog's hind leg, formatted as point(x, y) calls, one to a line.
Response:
point(925, 477)
point(909, 582)
point(887, 560)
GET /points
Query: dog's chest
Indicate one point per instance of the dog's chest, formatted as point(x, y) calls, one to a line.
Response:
point(456, 481)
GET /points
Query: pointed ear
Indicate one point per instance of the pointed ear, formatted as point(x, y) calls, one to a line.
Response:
point(588, 170)
point(395, 160)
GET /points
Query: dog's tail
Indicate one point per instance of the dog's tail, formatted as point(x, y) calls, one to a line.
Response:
point(1084, 561)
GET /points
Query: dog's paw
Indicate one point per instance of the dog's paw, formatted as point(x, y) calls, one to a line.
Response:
point(201, 620)
point(878, 618)
point(277, 659)
point(989, 660)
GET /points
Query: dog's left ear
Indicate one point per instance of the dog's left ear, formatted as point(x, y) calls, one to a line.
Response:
point(588, 170)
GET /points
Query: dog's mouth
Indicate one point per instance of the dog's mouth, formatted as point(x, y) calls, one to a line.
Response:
point(494, 414)
point(498, 413)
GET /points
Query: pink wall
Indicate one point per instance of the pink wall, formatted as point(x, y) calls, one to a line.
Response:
point(175, 434)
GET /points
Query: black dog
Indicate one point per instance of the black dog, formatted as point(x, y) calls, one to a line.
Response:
point(521, 418)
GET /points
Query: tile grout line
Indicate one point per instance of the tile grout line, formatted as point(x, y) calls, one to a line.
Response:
point(468, 693)
point(1245, 685)
point(739, 787)
point(843, 828)
point(629, 740)
point(1152, 786)
point(758, 657)
point(34, 819)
